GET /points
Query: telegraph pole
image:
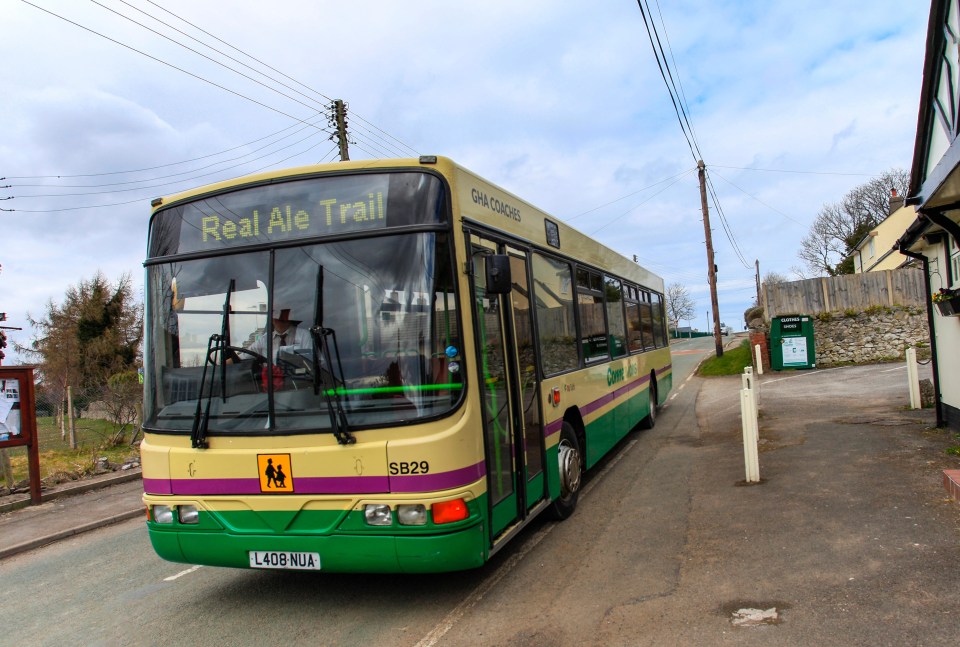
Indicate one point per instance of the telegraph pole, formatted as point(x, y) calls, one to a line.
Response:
point(759, 302)
point(340, 115)
point(711, 265)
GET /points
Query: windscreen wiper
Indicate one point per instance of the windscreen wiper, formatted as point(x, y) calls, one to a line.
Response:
point(323, 376)
point(215, 345)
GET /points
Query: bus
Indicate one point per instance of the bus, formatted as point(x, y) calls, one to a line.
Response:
point(385, 366)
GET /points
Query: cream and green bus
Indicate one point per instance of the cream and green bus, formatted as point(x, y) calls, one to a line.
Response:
point(381, 366)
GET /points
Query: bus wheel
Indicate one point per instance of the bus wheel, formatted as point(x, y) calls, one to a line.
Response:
point(570, 463)
point(651, 419)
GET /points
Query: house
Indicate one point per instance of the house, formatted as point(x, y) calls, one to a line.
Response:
point(933, 238)
point(875, 251)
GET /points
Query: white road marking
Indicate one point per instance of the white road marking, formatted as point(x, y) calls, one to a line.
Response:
point(890, 370)
point(793, 377)
point(182, 573)
point(468, 603)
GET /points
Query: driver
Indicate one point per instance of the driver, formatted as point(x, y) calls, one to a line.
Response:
point(285, 334)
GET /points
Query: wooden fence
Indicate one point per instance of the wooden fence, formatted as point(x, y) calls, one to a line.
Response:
point(904, 287)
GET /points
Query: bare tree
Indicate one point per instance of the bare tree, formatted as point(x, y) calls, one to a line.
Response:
point(840, 226)
point(122, 400)
point(679, 303)
point(774, 278)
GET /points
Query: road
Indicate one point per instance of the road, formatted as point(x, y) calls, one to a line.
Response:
point(558, 584)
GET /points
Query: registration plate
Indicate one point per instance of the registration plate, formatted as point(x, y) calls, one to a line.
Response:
point(284, 559)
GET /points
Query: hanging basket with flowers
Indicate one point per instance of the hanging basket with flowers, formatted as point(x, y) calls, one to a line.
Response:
point(947, 302)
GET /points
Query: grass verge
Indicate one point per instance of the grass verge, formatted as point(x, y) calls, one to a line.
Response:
point(732, 362)
point(59, 463)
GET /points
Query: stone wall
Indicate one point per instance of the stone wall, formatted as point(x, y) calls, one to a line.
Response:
point(879, 333)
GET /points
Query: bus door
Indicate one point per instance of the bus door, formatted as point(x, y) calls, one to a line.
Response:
point(510, 386)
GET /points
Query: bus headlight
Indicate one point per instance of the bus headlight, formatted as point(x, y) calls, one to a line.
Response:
point(377, 514)
point(412, 515)
point(188, 514)
point(162, 514)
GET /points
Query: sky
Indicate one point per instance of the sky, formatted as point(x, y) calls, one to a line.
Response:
point(560, 102)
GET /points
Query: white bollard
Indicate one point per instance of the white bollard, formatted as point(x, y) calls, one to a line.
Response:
point(748, 383)
point(913, 379)
point(754, 384)
point(759, 356)
point(751, 458)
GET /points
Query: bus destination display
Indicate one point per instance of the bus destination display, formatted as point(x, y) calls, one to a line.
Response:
point(291, 210)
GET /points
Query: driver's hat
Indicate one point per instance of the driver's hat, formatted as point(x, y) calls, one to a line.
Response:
point(284, 315)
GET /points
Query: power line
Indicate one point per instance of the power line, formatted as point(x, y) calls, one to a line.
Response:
point(753, 197)
point(664, 68)
point(678, 178)
point(311, 105)
point(164, 184)
point(220, 40)
point(726, 225)
point(627, 196)
point(779, 170)
point(146, 197)
point(163, 177)
point(270, 67)
point(678, 99)
point(683, 96)
point(196, 76)
point(402, 144)
point(161, 61)
point(161, 166)
point(382, 144)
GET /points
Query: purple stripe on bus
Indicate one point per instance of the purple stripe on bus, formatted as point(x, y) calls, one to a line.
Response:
point(157, 486)
point(322, 484)
point(602, 401)
point(214, 486)
point(341, 484)
point(554, 427)
point(309, 485)
point(438, 481)
point(623, 390)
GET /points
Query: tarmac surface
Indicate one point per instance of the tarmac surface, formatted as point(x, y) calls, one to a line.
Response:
point(849, 533)
point(69, 509)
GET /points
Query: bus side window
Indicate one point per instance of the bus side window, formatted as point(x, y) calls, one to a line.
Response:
point(613, 294)
point(593, 327)
point(556, 327)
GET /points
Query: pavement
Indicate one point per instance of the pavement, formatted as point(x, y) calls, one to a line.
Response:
point(69, 509)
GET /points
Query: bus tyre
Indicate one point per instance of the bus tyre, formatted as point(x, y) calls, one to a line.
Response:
point(651, 419)
point(570, 462)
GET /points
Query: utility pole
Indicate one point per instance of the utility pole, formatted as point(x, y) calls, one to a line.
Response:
point(711, 265)
point(340, 115)
point(759, 302)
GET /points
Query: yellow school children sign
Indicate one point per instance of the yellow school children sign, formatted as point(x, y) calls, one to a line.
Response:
point(275, 473)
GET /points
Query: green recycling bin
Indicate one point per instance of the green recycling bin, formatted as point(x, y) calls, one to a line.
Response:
point(791, 343)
